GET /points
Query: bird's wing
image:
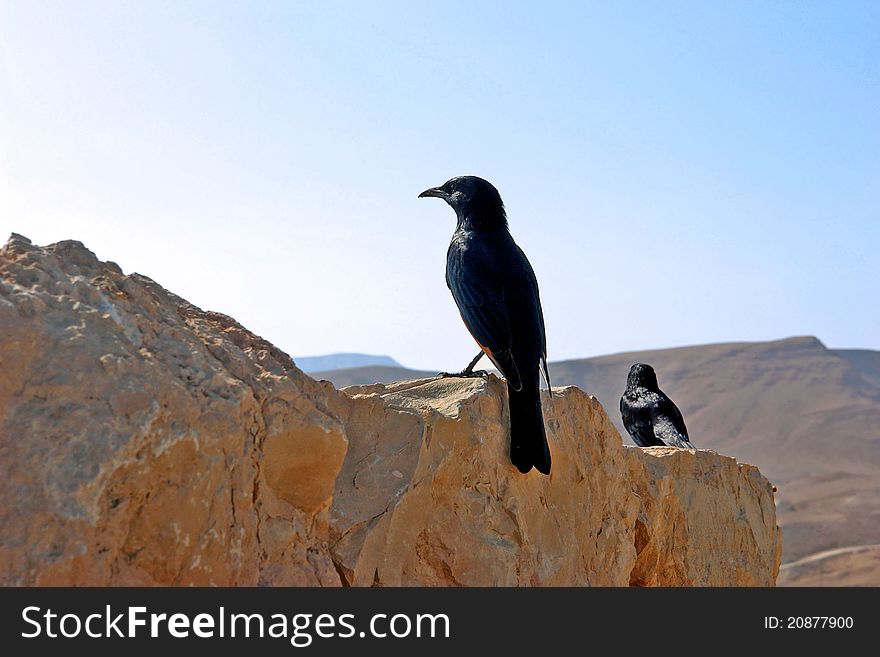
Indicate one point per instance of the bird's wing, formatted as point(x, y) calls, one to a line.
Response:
point(669, 424)
point(533, 283)
point(637, 422)
point(486, 317)
point(481, 300)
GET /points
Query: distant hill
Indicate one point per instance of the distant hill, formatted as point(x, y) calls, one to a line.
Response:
point(361, 376)
point(808, 416)
point(341, 361)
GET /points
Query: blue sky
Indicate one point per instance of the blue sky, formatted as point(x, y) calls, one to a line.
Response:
point(677, 173)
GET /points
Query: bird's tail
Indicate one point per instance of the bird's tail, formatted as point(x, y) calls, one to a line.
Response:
point(528, 440)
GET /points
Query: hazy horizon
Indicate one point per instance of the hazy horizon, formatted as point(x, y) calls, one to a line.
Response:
point(678, 175)
point(486, 364)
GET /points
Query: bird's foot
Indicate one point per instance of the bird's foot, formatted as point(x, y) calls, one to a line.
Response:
point(464, 374)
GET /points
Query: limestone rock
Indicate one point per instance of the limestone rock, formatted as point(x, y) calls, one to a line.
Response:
point(704, 520)
point(144, 441)
point(435, 501)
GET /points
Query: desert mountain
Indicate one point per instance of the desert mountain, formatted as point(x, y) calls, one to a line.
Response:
point(364, 376)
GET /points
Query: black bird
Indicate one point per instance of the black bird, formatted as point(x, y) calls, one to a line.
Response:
point(496, 292)
point(650, 417)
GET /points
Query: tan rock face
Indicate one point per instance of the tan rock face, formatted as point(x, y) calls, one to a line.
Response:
point(705, 520)
point(144, 441)
point(436, 502)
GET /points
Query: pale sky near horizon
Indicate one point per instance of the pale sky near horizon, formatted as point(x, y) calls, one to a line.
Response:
point(678, 173)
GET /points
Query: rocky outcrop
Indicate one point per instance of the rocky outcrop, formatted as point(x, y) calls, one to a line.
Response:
point(144, 441)
point(427, 495)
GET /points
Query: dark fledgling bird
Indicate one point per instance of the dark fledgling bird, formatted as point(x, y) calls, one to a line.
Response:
point(650, 417)
point(496, 292)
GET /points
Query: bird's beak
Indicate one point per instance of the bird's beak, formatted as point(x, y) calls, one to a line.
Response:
point(434, 191)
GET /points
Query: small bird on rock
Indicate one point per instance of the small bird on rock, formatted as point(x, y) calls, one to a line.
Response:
point(650, 417)
point(496, 292)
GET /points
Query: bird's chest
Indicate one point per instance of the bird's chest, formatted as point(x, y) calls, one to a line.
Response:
point(472, 254)
point(459, 255)
point(460, 246)
point(641, 400)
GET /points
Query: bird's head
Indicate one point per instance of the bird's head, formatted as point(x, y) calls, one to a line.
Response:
point(476, 201)
point(642, 376)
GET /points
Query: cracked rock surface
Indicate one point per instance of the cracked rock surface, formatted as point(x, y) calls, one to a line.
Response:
point(144, 441)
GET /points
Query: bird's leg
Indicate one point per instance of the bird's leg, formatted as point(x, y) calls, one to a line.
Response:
point(467, 372)
point(470, 371)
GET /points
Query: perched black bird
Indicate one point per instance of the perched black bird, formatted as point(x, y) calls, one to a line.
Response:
point(650, 417)
point(496, 292)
